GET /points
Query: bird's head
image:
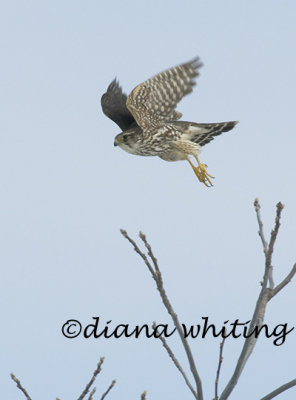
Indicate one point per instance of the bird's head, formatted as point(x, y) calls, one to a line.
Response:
point(128, 141)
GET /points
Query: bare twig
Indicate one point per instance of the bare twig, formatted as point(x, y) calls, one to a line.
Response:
point(150, 253)
point(19, 385)
point(273, 236)
point(274, 232)
point(159, 283)
point(279, 390)
point(284, 282)
point(91, 395)
point(260, 232)
point(176, 362)
point(108, 390)
point(88, 386)
point(143, 395)
point(266, 293)
point(156, 274)
point(219, 368)
point(137, 250)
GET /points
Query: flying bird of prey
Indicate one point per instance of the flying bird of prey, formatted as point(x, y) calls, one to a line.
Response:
point(150, 122)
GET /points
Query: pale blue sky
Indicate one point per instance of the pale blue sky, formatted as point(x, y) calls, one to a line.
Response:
point(66, 192)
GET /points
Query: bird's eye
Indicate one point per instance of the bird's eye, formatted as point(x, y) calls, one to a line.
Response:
point(124, 138)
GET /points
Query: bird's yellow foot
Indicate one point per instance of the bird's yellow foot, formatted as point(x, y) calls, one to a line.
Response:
point(201, 173)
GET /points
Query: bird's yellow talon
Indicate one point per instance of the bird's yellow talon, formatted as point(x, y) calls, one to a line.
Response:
point(201, 172)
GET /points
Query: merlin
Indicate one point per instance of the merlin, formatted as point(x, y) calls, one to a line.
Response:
point(150, 122)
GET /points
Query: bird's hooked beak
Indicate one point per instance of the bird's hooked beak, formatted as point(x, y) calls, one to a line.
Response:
point(118, 140)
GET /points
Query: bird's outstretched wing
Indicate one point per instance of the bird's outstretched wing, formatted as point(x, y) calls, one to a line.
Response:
point(114, 106)
point(155, 100)
point(202, 133)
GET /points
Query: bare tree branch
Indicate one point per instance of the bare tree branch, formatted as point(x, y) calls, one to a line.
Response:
point(108, 390)
point(219, 368)
point(266, 293)
point(88, 386)
point(284, 282)
point(137, 250)
point(143, 395)
point(19, 385)
point(176, 362)
point(159, 283)
point(84, 393)
point(273, 236)
point(260, 223)
point(279, 390)
point(274, 232)
point(91, 395)
point(156, 274)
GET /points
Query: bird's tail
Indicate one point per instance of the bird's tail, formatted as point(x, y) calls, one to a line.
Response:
point(204, 133)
